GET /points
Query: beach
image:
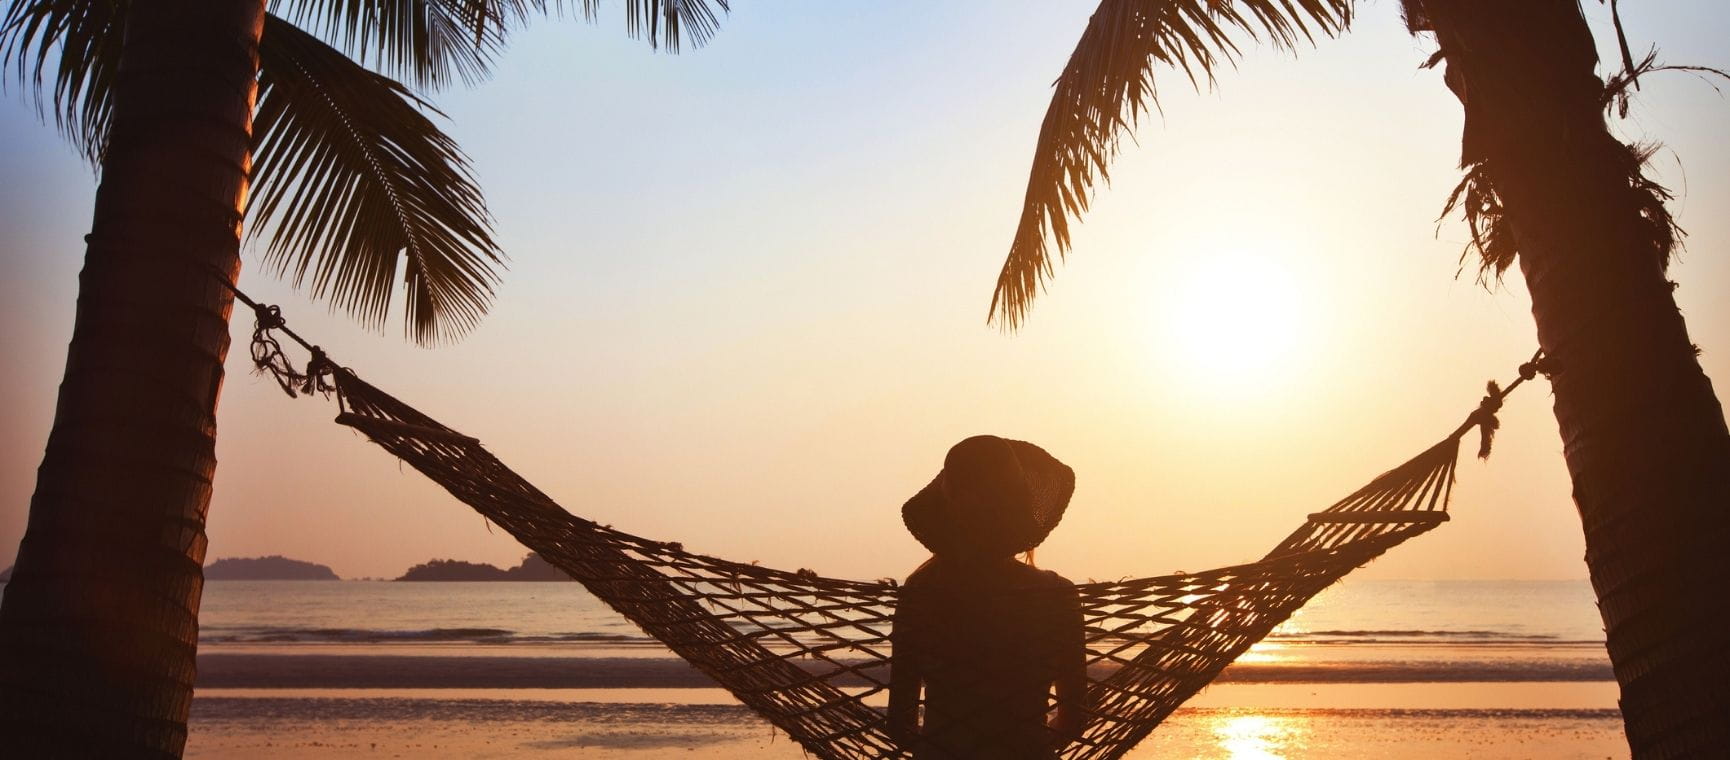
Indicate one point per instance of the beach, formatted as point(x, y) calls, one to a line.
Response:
point(526, 670)
point(503, 728)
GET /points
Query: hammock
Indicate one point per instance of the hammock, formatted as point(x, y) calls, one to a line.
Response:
point(809, 653)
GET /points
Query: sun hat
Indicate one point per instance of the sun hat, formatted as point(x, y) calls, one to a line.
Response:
point(1019, 493)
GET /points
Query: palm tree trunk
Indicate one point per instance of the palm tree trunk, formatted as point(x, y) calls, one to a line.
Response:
point(99, 625)
point(1643, 434)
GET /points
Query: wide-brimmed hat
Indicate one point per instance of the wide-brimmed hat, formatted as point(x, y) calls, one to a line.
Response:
point(1019, 495)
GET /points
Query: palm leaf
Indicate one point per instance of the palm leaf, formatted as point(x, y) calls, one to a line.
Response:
point(66, 54)
point(427, 42)
point(350, 176)
point(666, 22)
point(424, 42)
point(349, 173)
point(1105, 88)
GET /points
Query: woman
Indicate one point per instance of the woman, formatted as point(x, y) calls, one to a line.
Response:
point(988, 638)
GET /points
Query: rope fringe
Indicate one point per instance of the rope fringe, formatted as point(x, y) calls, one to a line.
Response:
point(268, 358)
point(1487, 421)
point(1484, 417)
point(267, 354)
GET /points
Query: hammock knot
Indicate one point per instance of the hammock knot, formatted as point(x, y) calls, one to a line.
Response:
point(319, 369)
point(1485, 416)
point(268, 357)
point(1539, 365)
point(267, 317)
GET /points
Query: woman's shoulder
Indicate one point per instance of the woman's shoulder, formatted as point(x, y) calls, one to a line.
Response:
point(1013, 573)
point(924, 574)
point(935, 576)
point(1032, 576)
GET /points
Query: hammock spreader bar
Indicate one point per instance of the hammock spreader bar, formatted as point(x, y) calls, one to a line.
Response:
point(811, 653)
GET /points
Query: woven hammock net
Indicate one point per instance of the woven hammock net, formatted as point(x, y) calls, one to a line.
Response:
point(812, 654)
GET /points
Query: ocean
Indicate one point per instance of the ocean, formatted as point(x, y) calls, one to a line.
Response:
point(1369, 669)
point(1370, 631)
point(384, 613)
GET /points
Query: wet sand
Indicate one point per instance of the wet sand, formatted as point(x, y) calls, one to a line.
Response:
point(292, 729)
point(1349, 702)
point(470, 728)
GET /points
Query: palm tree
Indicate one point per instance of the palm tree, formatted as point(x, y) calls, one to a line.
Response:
point(185, 105)
point(1546, 184)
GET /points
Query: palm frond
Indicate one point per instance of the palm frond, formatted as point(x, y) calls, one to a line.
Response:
point(350, 175)
point(667, 22)
point(429, 42)
point(1476, 199)
point(1107, 85)
point(424, 42)
point(66, 54)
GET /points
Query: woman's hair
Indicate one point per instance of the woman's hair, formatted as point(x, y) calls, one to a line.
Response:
point(1026, 558)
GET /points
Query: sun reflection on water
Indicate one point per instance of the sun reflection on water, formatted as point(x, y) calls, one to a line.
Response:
point(1252, 736)
point(1265, 651)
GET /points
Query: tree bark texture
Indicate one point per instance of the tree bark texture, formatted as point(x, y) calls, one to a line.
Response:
point(1642, 431)
point(99, 625)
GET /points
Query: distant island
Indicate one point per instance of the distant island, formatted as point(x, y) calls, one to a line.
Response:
point(533, 568)
point(272, 568)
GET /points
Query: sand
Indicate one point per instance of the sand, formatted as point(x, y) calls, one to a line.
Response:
point(295, 728)
point(499, 728)
point(336, 702)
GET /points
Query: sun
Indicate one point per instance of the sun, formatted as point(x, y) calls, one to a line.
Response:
point(1233, 319)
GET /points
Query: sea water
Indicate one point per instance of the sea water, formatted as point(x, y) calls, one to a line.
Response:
point(1368, 669)
point(1369, 612)
point(1367, 631)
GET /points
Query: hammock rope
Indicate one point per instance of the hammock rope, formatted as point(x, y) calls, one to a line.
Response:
point(811, 654)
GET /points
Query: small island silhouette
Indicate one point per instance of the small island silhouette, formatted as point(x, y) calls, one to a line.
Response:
point(533, 568)
point(271, 568)
point(279, 568)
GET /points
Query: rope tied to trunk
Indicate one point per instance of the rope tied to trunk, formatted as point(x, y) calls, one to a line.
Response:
point(1484, 417)
point(267, 354)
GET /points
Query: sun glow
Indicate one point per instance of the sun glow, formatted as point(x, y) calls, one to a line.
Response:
point(1265, 651)
point(1258, 737)
point(1233, 320)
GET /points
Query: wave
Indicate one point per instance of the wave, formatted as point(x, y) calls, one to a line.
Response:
point(1420, 637)
point(503, 636)
point(1399, 633)
point(330, 710)
point(1400, 636)
point(274, 635)
point(477, 671)
point(1455, 671)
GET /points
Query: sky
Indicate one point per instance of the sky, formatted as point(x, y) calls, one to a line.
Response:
point(746, 301)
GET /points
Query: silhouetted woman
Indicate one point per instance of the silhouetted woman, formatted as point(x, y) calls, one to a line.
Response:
point(987, 637)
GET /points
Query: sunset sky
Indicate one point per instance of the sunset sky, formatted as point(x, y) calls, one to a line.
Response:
point(746, 302)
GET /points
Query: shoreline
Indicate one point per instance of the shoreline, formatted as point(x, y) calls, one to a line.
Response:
point(297, 728)
point(1462, 698)
point(226, 670)
point(298, 672)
